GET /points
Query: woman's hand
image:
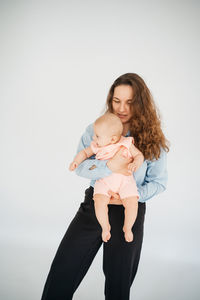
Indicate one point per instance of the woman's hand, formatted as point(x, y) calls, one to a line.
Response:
point(119, 164)
point(115, 198)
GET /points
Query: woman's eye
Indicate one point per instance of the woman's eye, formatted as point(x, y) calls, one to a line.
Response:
point(116, 101)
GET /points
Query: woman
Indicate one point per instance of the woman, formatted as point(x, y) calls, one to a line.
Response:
point(130, 99)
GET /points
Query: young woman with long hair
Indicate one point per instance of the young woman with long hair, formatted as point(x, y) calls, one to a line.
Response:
point(130, 99)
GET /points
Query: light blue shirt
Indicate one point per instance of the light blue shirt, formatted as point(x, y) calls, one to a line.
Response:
point(151, 177)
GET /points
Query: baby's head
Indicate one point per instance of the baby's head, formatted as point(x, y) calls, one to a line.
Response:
point(107, 130)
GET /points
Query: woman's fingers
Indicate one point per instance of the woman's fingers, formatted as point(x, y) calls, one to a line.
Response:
point(127, 172)
point(132, 167)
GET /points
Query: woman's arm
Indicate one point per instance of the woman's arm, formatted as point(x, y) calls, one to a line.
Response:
point(155, 179)
point(91, 168)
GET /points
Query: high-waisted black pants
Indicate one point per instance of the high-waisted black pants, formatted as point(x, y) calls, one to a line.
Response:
point(80, 245)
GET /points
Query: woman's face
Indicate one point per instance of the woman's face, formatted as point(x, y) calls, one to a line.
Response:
point(122, 101)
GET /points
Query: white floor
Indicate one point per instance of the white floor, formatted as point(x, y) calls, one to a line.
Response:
point(24, 270)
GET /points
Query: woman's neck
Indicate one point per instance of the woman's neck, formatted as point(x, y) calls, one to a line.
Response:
point(126, 128)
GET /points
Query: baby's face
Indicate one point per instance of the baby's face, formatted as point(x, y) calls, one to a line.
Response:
point(101, 138)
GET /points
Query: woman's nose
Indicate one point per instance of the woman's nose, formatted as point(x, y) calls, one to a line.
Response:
point(122, 107)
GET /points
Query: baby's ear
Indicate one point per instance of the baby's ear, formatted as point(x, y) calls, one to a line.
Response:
point(114, 139)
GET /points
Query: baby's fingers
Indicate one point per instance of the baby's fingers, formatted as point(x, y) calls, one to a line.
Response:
point(114, 195)
point(72, 166)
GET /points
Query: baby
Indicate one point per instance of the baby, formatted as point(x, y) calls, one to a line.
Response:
point(106, 142)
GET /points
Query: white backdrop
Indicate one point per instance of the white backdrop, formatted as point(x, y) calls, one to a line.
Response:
point(58, 60)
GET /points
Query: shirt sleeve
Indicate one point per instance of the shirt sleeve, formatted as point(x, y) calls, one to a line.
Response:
point(91, 168)
point(156, 178)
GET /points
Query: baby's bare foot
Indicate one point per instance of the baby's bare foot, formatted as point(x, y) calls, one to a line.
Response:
point(128, 234)
point(106, 233)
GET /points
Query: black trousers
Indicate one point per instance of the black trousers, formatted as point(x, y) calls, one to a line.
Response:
point(80, 245)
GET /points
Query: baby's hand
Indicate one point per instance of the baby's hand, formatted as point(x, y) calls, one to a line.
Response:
point(73, 166)
point(133, 166)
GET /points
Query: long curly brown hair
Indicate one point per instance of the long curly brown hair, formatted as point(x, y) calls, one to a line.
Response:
point(145, 124)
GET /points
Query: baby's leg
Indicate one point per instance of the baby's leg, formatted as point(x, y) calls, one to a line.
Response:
point(101, 210)
point(131, 207)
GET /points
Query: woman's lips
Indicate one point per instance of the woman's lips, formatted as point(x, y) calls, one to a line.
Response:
point(122, 116)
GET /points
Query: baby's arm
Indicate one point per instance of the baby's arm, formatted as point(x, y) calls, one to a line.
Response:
point(80, 157)
point(138, 158)
point(91, 168)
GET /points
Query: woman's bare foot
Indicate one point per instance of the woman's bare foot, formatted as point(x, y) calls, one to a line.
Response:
point(106, 234)
point(128, 235)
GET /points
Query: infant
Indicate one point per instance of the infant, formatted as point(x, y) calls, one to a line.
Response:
point(107, 140)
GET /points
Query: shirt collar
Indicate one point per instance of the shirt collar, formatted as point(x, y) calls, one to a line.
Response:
point(128, 133)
